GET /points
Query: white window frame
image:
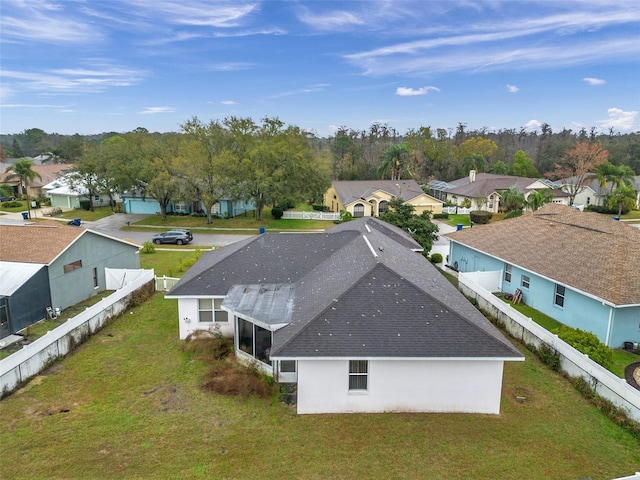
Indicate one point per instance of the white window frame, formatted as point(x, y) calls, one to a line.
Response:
point(288, 366)
point(356, 375)
point(507, 272)
point(219, 315)
point(357, 214)
point(525, 281)
point(205, 309)
point(559, 298)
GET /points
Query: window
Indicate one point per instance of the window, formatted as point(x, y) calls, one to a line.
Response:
point(95, 278)
point(219, 315)
point(205, 310)
point(507, 273)
point(358, 373)
point(525, 281)
point(559, 297)
point(70, 267)
point(358, 210)
point(383, 207)
point(288, 366)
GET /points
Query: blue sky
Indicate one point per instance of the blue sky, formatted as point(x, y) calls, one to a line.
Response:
point(87, 66)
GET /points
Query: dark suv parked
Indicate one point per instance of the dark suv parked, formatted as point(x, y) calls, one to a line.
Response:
point(179, 237)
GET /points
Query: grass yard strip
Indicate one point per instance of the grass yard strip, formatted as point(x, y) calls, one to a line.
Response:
point(621, 358)
point(170, 263)
point(127, 404)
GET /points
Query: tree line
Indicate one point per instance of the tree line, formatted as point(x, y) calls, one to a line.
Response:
point(271, 163)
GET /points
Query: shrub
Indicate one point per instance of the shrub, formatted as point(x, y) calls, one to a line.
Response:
point(277, 212)
point(319, 207)
point(587, 343)
point(345, 216)
point(232, 378)
point(435, 258)
point(441, 215)
point(84, 204)
point(12, 204)
point(549, 357)
point(480, 217)
point(148, 247)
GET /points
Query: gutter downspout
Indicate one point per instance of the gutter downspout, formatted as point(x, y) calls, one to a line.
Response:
point(609, 327)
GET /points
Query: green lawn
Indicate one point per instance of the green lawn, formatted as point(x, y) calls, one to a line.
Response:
point(621, 358)
point(127, 404)
point(171, 263)
point(239, 224)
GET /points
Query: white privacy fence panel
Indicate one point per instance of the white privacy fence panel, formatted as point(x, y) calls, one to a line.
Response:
point(164, 284)
point(572, 362)
point(314, 215)
point(117, 278)
point(35, 357)
point(453, 210)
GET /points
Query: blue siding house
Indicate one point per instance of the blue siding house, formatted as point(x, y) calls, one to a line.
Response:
point(134, 203)
point(580, 268)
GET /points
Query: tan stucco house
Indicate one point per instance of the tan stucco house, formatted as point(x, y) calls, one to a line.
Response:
point(370, 198)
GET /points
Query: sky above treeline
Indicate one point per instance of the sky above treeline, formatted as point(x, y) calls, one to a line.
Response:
point(84, 66)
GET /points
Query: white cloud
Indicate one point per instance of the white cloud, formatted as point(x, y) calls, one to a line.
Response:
point(620, 120)
point(154, 110)
point(594, 81)
point(409, 92)
point(512, 89)
point(228, 102)
point(532, 125)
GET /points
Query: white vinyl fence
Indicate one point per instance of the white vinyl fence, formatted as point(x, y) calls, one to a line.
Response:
point(35, 357)
point(314, 215)
point(453, 210)
point(572, 362)
point(164, 284)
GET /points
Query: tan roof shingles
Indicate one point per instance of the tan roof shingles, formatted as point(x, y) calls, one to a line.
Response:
point(587, 251)
point(34, 243)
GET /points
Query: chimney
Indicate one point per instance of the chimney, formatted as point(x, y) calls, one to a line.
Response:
point(472, 176)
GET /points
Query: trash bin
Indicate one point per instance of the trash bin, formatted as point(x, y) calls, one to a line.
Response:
point(459, 226)
point(262, 230)
point(25, 215)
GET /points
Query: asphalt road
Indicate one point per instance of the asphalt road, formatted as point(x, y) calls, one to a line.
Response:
point(113, 224)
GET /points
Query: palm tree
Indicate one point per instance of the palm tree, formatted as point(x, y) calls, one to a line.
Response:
point(23, 171)
point(538, 198)
point(513, 202)
point(623, 197)
point(395, 161)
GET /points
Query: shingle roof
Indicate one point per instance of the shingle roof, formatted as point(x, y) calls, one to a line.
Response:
point(487, 183)
point(39, 243)
point(350, 191)
point(582, 250)
point(353, 271)
point(48, 173)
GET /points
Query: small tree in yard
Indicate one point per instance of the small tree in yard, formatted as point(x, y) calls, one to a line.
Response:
point(581, 164)
point(420, 227)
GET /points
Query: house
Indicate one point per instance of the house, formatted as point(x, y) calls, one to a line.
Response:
point(353, 317)
point(51, 265)
point(370, 198)
point(134, 202)
point(47, 174)
point(64, 195)
point(24, 295)
point(592, 193)
point(482, 191)
point(580, 268)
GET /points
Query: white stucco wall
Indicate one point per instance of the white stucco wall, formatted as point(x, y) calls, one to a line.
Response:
point(188, 320)
point(401, 386)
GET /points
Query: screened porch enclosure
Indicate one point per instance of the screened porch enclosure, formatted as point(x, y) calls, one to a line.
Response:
point(254, 340)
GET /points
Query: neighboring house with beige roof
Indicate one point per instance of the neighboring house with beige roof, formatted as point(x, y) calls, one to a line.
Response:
point(48, 174)
point(370, 198)
point(581, 268)
point(483, 190)
point(69, 263)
